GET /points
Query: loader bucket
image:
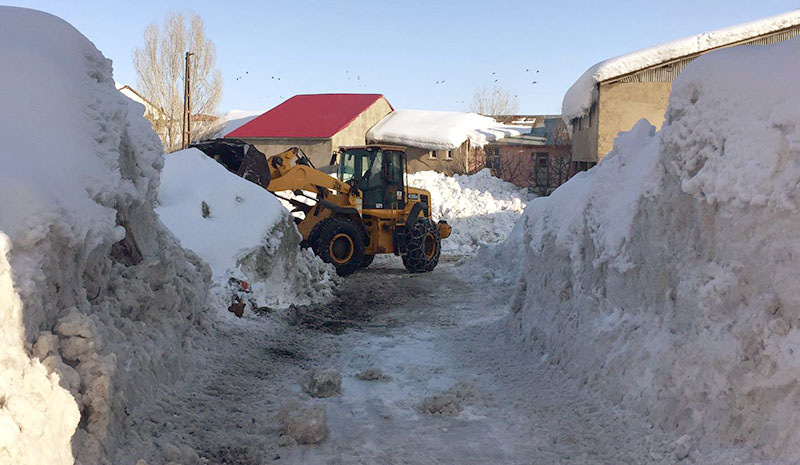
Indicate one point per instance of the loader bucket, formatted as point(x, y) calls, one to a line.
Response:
point(254, 167)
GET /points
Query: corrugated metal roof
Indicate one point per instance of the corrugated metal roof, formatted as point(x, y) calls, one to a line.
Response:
point(308, 116)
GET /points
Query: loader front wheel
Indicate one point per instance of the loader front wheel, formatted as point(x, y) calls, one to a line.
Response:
point(367, 261)
point(423, 247)
point(340, 243)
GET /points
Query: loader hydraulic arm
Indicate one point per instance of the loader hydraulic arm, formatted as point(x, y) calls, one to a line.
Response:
point(290, 171)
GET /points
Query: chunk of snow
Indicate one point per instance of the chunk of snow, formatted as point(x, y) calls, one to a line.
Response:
point(238, 228)
point(439, 130)
point(240, 213)
point(578, 99)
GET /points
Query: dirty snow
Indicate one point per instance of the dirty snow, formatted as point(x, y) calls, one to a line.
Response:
point(665, 278)
point(439, 130)
point(439, 336)
point(481, 208)
point(580, 95)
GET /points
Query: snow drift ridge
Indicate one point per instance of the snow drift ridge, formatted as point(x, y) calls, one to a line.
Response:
point(98, 302)
point(666, 276)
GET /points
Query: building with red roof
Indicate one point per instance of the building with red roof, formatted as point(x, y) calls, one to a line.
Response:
point(318, 124)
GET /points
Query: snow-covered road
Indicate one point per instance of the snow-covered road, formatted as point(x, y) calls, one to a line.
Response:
point(517, 407)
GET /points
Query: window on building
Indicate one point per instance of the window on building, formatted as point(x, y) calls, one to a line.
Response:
point(493, 157)
point(449, 155)
point(433, 154)
point(582, 165)
point(542, 159)
point(541, 171)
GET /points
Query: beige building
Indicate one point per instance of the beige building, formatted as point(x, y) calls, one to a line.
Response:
point(317, 124)
point(444, 141)
point(613, 95)
point(150, 111)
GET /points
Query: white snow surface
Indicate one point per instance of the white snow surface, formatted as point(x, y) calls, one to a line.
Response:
point(234, 119)
point(580, 95)
point(440, 130)
point(665, 277)
point(98, 302)
point(481, 208)
point(242, 212)
point(247, 234)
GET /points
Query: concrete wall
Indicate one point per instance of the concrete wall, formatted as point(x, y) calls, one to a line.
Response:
point(356, 132)
point(622, 104)
point(463, 160)
point(318, 150)
point(584, 136)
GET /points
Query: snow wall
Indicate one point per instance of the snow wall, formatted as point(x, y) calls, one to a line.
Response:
point(98, 302)
point(666, 276)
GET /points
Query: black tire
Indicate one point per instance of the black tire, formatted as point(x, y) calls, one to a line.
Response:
point(367, 261)
point(340, 243)
point(423, 247)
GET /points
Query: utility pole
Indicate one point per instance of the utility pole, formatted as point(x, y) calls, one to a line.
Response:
point(187, 106)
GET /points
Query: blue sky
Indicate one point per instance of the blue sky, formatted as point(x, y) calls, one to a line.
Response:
point(401, 48)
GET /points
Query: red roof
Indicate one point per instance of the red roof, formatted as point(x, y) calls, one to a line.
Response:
point(308, 116)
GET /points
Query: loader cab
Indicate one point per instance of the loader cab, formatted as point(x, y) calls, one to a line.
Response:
point(376, 171)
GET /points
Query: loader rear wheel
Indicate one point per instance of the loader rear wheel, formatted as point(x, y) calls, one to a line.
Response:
point(340, 243)
point(367, 261)
point(423, 247)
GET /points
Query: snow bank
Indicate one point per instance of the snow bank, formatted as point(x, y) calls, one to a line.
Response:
point(439, 130)
point(481, 208)
point(98, 303)
point(665, 277)
point(240, 230)
point(579, 97)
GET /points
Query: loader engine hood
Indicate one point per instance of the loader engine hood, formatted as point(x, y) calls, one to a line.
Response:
point(422, 196)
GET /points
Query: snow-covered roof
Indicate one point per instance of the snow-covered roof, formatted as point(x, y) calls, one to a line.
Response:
point(439, 130)
point(579, 97)
point(234, 119)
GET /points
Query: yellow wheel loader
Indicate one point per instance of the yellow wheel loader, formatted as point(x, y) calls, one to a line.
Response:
point(346, 220)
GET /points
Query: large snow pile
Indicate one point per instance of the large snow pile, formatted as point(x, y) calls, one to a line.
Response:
point(98, 302)
point(440, 130)
point(481, 208)
point(666, 277)
point(242, 231)
point(580, 95)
